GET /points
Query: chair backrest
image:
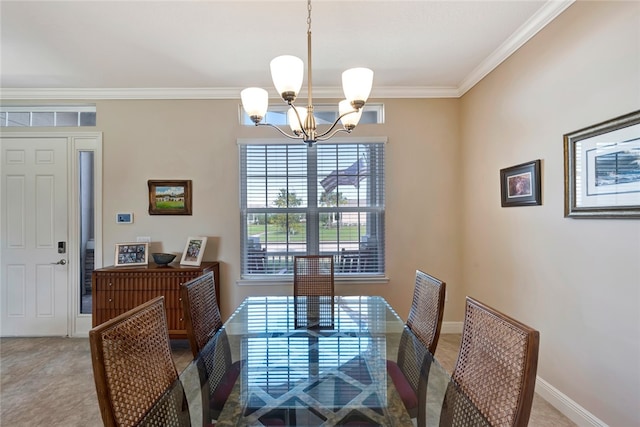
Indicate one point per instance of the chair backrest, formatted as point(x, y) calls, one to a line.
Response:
point(135, 376)
point(497, 365)
point(218, 374)
point(414, 360)
point(170, 410)
point(201, 312)
point(427, 309)
point(313, 275)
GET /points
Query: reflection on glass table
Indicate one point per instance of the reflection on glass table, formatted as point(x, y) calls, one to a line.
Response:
point(332, 372)
point(314, 361)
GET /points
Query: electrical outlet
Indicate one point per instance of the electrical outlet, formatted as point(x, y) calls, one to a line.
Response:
point(143, 239)
point(446, 296)
point(124, 218)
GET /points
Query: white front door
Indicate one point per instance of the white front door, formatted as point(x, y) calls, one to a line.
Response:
point(34, 291)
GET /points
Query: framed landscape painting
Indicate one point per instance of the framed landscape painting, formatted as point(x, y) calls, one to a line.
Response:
point(602, 169)
point(169, 197)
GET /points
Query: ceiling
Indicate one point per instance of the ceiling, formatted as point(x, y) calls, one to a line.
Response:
point(93, 49)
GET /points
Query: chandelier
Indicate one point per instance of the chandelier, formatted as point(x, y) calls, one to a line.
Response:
point(287, 74)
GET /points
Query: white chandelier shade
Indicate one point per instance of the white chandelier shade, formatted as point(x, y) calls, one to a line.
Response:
point(348, 118)
point(255, 102)
point(356, 84)
point(294, 123)
point(287, 72)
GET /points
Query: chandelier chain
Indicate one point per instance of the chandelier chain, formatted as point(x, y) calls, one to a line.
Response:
point(309, 16)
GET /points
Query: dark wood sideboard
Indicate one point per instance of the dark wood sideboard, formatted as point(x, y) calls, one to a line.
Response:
point(116, 290)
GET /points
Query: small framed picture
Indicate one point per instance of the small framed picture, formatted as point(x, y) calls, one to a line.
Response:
point(169, 197)
point(194, 251)
point(520, 185)
point(130, 254)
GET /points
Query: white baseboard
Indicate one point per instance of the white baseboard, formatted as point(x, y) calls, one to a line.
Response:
point(566, 406)
point(555, 397)
point(451, 328)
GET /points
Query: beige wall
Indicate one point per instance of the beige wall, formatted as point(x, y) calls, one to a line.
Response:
point(576, 280)
point(197, 140)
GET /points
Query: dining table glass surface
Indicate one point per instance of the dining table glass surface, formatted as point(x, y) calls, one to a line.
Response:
point(321, 361)
point(313, 361)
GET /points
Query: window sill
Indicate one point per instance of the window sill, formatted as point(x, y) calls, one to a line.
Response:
point(279, 281)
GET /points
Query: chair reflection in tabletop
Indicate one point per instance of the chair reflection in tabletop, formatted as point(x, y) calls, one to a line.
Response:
point(314, 312)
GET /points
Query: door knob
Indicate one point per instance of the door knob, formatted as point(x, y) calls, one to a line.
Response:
point(61, 262)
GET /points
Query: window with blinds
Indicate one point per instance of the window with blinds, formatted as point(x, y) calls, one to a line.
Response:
point(326, 200)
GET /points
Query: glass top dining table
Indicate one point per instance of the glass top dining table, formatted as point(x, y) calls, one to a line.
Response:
point(320, 361)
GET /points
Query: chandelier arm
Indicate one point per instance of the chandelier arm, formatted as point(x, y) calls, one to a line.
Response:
point(334, 125)
point(329, 130)
point(322, 137)
point(279, 130)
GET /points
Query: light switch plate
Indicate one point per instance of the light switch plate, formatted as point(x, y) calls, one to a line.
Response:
point(124, 218)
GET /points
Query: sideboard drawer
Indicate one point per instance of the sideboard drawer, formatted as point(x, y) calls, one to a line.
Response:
point(119, 289)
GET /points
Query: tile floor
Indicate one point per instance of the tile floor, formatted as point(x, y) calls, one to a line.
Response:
point(49, 381)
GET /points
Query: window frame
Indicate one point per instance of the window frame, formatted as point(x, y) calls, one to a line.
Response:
point(59, 115)
point(374, 108)
point(252, 278)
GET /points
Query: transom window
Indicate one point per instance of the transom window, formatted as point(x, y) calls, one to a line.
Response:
point(372, 113)
point(48, 116)
point(326, 200)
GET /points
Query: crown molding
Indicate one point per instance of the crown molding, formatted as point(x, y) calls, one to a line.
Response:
point(119, 93)
point(537, 22)
point(415, 92)
point(385, 92)
point(206, 93)
point(547, 13)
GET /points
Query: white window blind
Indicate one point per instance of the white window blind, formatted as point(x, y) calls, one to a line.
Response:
point(327, 200)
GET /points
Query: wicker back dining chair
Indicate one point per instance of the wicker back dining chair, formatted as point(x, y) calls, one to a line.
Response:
point(135, 376)
point(425, 321)
point(218, 373)
point(209, 344)
point(496, 369)
point(201, 312)
point(427, 309)
point(313, 275)
point(409, 374)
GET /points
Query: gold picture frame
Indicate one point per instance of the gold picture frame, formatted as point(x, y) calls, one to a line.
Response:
point(169, 197)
